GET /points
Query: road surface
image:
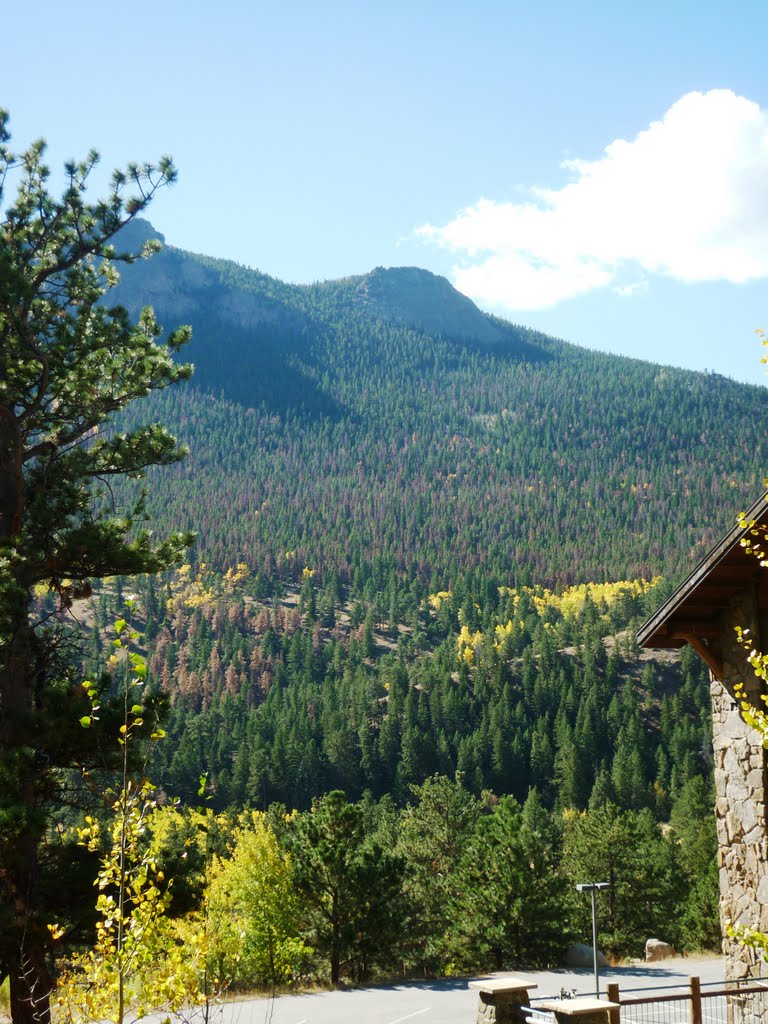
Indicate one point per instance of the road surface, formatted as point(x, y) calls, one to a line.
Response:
point(449, 1001)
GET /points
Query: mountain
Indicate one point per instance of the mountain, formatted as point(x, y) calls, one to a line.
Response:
point(412, 297)
point(400, 474)
point(385, 420)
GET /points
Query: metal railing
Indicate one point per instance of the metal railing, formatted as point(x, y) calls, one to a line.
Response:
point(726, 1002)
point(534, 1016)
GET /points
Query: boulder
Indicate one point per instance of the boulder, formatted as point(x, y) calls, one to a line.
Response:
point(580, 955)
point(655, 949)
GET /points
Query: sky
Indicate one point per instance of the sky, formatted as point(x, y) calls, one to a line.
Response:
point(595, 170)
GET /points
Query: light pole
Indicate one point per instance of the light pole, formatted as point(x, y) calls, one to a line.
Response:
point(592, 888)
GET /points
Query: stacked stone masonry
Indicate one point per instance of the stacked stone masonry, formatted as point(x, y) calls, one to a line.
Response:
point(740, 782)
point(501, 1000)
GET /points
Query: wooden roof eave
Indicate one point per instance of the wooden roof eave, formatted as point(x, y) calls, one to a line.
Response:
point(664, 630)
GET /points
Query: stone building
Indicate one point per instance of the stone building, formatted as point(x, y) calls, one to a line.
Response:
point(729, 589)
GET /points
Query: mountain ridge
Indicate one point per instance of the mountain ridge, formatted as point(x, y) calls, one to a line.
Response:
point(414, 297)
point(406, 295)
point(338, 421)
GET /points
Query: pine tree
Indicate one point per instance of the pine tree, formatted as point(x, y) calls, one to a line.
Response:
point(509, 906)
point(628, 850)
point(434, 833)
point(68, 362)
point(349, 884)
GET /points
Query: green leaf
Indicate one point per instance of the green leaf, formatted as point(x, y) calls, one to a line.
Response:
point(120, 625)
point(85, 721)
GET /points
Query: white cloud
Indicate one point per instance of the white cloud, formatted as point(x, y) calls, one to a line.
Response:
point(626, 291)
point(686, 199)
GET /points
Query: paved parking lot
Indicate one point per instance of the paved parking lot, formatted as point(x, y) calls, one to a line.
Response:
point(449, 1001)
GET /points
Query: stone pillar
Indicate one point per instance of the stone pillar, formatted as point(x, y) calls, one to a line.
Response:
point(500, 1000)
point(740, 785)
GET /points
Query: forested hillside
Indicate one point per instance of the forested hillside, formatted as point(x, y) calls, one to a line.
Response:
point(288, 697)
point(457, 759)
point(328, 422)
point(411, 518)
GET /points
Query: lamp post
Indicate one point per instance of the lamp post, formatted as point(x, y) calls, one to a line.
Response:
point(592, 888)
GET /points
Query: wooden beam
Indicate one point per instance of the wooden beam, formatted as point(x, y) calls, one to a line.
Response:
point(721, 590)
point(701, 609)
point(732, 574)
point(707, 655)
point(706, 630)
point(664, 643)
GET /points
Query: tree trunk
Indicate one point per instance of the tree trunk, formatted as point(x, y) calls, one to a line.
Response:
point(30, 985)
point(11, 478)
point(23, 941)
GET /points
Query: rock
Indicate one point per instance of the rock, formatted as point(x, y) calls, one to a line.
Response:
point(655, 949)
point(580, 955)
point(420, 299)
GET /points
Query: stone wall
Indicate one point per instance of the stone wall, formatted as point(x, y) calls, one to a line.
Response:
point(740, 782)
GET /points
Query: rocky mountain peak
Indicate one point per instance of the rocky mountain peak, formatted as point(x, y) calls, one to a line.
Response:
point(135, 234)
point(418, 298)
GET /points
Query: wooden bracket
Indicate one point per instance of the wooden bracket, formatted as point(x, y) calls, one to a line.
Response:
point(706, 654)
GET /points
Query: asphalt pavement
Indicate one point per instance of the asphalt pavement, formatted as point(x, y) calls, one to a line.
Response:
point(449, 1001)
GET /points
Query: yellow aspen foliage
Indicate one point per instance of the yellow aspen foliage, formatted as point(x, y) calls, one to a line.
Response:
point(140, 963)
point(466, 644)
point(502, 631)
point(754, 543)
point(234, 576)
point(436, 601)
point(754, 716)
point(188, 592)
point(254, 909)
point(571, 601)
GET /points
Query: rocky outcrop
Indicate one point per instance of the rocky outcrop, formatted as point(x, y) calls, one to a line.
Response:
point(417, 298)
point(182, 287)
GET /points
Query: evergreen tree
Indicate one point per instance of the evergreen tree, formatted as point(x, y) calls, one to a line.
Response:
point(434, 834)
point(350, 886)
point(68, 362)
point(627, 850)
point(507, 912)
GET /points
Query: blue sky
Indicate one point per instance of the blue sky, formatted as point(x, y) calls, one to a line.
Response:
point(596, 170)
